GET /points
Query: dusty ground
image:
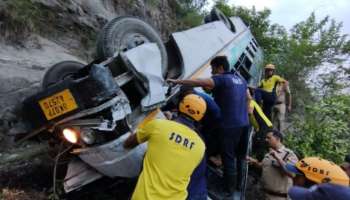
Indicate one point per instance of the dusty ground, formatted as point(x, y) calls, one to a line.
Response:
point(14, 194)
point(33, 180)
point(27, 180)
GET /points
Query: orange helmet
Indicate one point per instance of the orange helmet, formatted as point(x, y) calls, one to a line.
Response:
point(193, 106)
point(320, 170)
point(270, 66)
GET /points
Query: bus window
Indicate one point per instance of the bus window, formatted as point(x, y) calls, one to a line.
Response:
point(250, 52)
point(253, 46)
point(256, 44)
point(243, 65)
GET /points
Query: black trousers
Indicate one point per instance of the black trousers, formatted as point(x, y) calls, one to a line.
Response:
point(212, 141)
point(268, 99)
point(234, 147)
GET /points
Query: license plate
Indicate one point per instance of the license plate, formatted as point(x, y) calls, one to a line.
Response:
point(58, 104)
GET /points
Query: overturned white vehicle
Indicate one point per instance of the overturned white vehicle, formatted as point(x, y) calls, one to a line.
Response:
point(92, 108)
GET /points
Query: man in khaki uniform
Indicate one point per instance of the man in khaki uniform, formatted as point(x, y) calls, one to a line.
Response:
point(283, 102)
point(275, 178)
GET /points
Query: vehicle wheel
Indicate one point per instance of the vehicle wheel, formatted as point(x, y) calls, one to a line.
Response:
point(217, 15)
point(60, 71)
point(124, 33)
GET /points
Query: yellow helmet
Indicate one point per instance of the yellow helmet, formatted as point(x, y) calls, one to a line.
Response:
point(270, 66)
point(322, 171)
point(194, 106)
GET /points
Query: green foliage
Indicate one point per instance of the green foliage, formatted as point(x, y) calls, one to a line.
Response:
point(320, 124)
point(321, 127)
point(296, 54)
point(224, 7)
point(189, 13)
point(258, 22)
point(153, 3)
point(310, 44)
point(332, 83)
point(21, 17)
point(267, 35)
point(192, 19)
point(324, 130)
point(196, 5)
point(346, 48)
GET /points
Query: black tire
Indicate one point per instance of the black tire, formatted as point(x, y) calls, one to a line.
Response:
point(217, 15)
point(60, 71)
point(124, 33)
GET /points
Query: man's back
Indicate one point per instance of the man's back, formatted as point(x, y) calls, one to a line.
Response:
point(230, 93)
point(174, 151)
point(212, 115)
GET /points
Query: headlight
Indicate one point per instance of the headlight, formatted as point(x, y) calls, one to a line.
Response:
point(88, 136)
point(70, 135)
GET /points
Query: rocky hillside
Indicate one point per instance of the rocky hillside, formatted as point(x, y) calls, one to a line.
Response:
point(35, 34)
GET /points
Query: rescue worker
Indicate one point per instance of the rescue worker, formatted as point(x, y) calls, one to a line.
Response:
point(282, 105)
point(313, 170)
point(230, 92)
point(276, 179)
point(310, 172)
point(208, 127)
point(324, 191)
point(210, 124)
point(174, 151)
point(267, 93)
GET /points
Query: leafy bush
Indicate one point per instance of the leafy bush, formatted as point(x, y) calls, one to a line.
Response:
point(320, 124)
point(191, 19)
point(189, 12)
point(324, 130)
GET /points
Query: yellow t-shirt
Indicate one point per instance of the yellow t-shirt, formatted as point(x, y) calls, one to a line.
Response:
point(174, 151)
point(270, 83)
point(260, 113)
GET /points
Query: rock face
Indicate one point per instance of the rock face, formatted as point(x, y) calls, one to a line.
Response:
point(35, 34)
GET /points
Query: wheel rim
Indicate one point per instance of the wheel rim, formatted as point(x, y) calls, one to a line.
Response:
point(132, 40)
point(61, 71)
point(67, 76)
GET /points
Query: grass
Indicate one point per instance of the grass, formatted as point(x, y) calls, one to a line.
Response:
point(192, 19)
point(153, 3)
point(22, 17)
